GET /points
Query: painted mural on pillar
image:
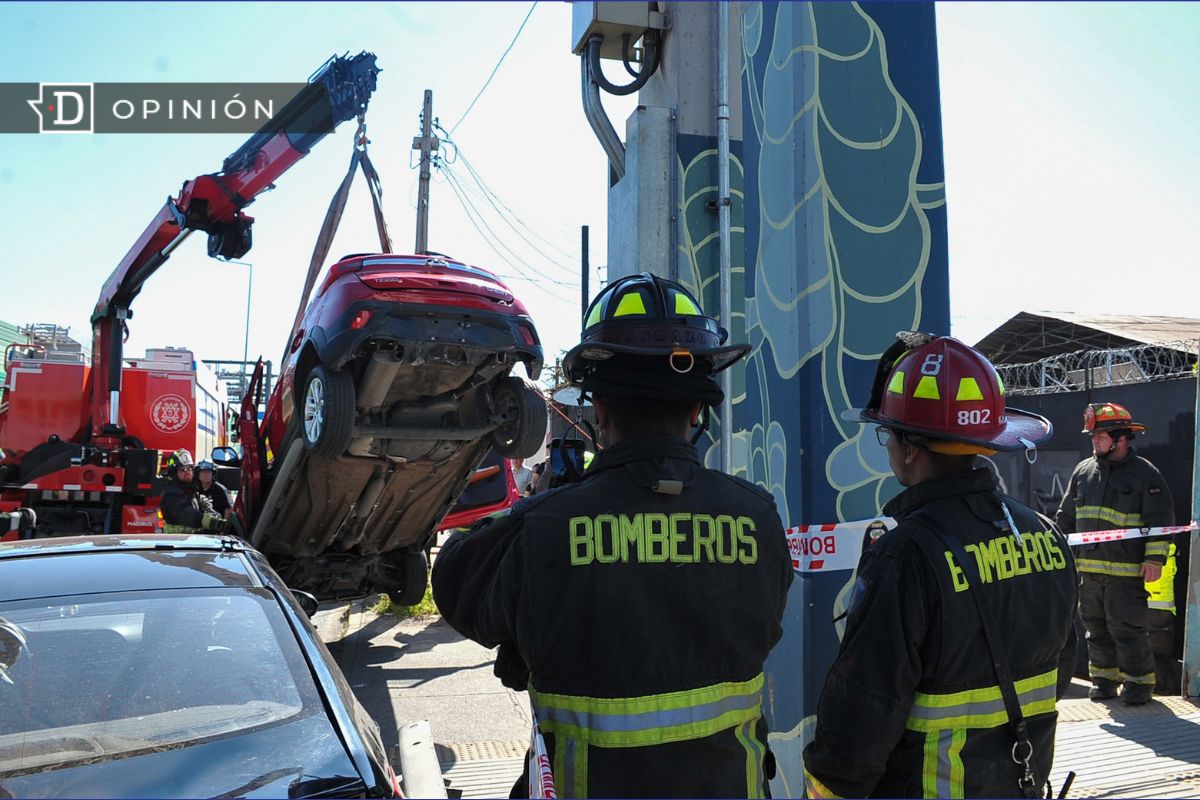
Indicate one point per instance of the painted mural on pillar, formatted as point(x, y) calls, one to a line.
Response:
point(838, 241)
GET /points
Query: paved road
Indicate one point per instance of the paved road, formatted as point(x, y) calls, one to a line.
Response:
point(408, 670)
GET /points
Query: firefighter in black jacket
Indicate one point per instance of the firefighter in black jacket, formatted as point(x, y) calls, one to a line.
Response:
point(913, 706)
point(184, 510)
point(208, 486)
point(1115, 488)
point(639, 605)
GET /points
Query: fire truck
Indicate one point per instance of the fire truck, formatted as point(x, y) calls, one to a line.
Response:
point(91, 465)
point(169, 401)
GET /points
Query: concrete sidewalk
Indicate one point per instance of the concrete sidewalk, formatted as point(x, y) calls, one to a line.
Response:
point(408, 670)
point(1128, 751)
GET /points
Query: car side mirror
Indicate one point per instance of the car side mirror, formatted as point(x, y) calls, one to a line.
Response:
point(226, 457)
point(307, 601)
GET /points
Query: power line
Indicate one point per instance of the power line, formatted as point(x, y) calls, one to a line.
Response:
point(486, 197)
point(457, 185)
point(471, 212)
point(494, 198)
point(478, 94)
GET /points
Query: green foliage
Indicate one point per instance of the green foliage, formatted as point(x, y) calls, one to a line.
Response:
point(425, 608)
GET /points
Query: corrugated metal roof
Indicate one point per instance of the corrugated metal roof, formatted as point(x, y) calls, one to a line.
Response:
point(1031, 336)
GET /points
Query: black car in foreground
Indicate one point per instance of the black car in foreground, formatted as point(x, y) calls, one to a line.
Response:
point(170, 666)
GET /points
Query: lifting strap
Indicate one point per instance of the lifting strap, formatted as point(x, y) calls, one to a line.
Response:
point(333, 218)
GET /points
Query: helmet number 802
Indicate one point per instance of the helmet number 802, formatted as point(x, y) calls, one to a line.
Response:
point(976, 416)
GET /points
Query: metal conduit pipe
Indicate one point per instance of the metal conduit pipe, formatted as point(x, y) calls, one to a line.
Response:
point(723, 209)
point(598, 119)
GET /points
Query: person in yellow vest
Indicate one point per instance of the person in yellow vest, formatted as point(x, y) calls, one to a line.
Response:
point(1161, 627)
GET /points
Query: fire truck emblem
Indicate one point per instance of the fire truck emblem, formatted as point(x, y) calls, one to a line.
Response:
point(170, 413)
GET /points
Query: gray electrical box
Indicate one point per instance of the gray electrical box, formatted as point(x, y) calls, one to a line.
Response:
point(611, 20)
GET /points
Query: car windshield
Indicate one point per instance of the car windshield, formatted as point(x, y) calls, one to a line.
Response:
point(97, 677)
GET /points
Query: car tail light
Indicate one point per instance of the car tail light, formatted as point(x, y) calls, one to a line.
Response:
point(360, 320)
point(527, 336)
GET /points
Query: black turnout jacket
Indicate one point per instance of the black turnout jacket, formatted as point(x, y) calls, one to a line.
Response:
point(638, 608)
point(912, 706)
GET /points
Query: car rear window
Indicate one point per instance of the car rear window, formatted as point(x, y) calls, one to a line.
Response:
point(98, 677)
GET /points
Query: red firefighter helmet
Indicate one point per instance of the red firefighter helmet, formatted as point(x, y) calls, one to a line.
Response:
point(939, 388)
point(1099, 417)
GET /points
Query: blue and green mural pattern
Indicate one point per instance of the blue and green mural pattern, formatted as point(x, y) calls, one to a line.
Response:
point(839, 241)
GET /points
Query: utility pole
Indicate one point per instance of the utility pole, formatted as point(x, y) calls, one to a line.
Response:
point(426, 143)
point(583, 269)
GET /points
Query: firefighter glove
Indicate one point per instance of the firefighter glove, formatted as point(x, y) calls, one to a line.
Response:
point(212, 522)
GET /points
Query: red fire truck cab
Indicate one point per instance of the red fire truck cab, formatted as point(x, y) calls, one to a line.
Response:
point(169, 401)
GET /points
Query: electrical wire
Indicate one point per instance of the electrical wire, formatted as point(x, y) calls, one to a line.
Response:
point(490, 237)
point(457, 185)
point(494, 199)
point(486, 83)
point(507, 221)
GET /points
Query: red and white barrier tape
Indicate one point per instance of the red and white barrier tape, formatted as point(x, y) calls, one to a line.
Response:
point(1119, 534)
point(541, 777)
point(838, 546)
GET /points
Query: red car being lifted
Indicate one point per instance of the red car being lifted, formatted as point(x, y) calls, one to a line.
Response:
point(395, 387)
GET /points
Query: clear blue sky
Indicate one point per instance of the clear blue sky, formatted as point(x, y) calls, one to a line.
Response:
point(1069, 133)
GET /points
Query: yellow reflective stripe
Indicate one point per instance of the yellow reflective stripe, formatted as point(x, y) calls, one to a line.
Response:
point(179, 529)
point(685, 306)
point(929, 787)
point(594, 316)
point(560, 759)
point(968, 389)
point(999, 382)
point(817, 790)
point(1147, 679)
point(1119, 569)
point(896, 384)
point(981, 708)
point(630, 305)
point(579, 766)
point(1104, 673)
point(651, 719)
point(754, 758)
point(927, 388)
point(1106, 514)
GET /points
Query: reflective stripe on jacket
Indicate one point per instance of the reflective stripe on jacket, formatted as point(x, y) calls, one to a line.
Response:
point(1103, 495)
point(911, 706)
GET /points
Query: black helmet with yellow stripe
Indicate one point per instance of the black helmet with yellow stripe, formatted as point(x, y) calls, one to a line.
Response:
point(645, 336)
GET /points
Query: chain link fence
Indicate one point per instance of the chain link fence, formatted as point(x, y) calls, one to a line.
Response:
point(1083, 369)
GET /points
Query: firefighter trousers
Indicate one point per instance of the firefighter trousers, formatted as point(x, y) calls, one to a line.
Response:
point(1115, 615)
point(1161, 627)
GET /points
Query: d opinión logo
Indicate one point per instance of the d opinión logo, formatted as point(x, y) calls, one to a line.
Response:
point(64, 107)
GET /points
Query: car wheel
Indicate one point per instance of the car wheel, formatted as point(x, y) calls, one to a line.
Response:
point(328, 411)
point(522, 411)
point(415, 572)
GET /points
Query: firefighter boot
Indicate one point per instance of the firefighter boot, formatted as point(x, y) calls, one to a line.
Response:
point(1103, 690)
point(1136, 694)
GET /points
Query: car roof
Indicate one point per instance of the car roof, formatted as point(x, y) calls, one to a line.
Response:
point(97, 564)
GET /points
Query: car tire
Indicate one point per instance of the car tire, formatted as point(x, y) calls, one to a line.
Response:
point(327, 411)
point(522, 410)
point(415, 571)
